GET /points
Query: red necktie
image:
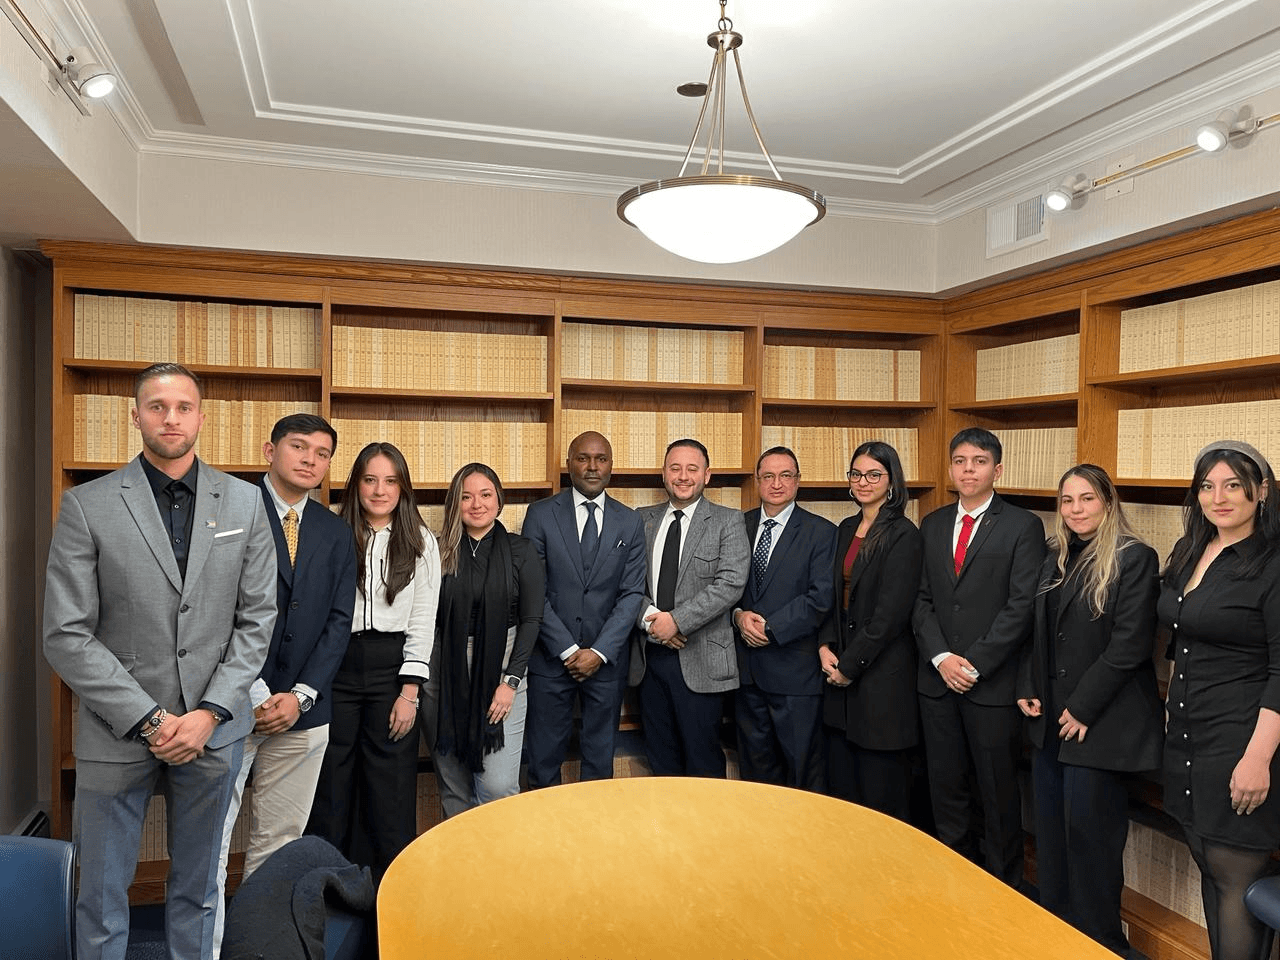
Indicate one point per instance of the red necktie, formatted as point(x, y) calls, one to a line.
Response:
point(966, 531)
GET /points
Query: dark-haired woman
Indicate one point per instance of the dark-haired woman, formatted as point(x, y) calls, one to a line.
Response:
point(366, 801)
point(1221, 602)
point(1088, 687)
point(491, 600)
point(869, 654)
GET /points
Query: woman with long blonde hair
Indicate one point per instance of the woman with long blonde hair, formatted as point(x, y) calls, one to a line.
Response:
point(491, 601)
point(1088, 689)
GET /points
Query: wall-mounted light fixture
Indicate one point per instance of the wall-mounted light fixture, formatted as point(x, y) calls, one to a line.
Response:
point(1211, 137)
point(80, 74)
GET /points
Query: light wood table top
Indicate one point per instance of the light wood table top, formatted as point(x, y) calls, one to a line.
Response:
point(653, 867)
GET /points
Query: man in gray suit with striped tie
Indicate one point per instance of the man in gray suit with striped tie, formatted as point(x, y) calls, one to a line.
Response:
point(684, 659)
point(159, 605)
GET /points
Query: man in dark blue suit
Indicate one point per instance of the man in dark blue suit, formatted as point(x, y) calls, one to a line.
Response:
point(593, 548)
point(315, 597)
point(778, 706)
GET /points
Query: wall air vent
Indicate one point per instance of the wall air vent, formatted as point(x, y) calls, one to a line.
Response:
point(1016, 224)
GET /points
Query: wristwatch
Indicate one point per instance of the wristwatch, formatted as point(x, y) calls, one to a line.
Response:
point(512, 681)
point(305, 703)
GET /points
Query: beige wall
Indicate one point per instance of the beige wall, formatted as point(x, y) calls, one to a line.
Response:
point(24, 512)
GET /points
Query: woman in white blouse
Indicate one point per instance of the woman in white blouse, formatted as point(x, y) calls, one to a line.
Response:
point(366, 801)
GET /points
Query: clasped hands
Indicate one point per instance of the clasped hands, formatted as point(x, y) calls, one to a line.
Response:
point(662, 627)
point(583, 663)
point(181, 738)
point(752, 626)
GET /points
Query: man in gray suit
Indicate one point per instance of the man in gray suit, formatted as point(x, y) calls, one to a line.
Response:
point(684, 658)
point(159, 605)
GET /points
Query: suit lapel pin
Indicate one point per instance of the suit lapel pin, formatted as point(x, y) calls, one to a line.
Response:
point(211, 524)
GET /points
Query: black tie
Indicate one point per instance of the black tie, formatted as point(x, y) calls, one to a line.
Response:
point(670, 566)
point(590, 543)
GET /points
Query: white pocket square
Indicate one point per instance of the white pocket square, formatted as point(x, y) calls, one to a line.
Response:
point(228, 533)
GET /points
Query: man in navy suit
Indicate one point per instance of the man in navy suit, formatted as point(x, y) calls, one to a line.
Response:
point(315, 596)
point(593, 549)
point(973, 617)
point(778, 706)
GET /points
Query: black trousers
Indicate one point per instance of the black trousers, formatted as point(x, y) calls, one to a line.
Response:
point(879, 779)
point(366, 800)
point(964, 739)
point(549, 724)
point(1082, 823)
point(779, 737)
point(681, 727)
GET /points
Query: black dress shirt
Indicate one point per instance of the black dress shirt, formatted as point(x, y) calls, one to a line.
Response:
point(176, 500)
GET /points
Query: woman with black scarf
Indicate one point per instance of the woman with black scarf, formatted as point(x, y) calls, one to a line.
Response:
point(492, 592)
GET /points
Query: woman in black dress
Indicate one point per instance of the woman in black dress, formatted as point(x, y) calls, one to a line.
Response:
point(868, 652)
point(1221, 601)
point(1088, 687)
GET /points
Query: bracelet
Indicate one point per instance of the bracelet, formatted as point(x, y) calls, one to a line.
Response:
point(401, 696)
point(152, 723)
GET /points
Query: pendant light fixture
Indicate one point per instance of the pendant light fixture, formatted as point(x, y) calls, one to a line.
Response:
point(715, 217)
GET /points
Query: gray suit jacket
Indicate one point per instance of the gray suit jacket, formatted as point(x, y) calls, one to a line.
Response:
point(126, 632)
point(713, 570)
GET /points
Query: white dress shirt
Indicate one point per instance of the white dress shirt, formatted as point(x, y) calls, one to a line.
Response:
point(414, 608)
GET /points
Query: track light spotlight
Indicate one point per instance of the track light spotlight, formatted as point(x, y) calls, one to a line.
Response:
point(1062, 196)
point(90, 78)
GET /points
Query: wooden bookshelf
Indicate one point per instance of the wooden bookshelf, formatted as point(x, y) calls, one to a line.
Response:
point(1197, 285)
point(383, 347)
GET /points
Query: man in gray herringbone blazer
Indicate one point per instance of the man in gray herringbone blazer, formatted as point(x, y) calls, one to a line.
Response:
point(159, 604)
point(684, 658)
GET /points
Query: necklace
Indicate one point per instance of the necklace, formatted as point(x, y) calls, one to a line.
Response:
point(474, 545)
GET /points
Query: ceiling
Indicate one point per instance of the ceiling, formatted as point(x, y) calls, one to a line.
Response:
point(897, 109)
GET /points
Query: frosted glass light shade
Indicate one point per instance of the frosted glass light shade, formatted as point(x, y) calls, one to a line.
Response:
point(720, 218)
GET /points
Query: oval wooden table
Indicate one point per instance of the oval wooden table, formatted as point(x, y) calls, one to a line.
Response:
point(653, 867)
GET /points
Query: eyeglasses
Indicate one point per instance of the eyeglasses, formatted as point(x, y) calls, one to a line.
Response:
point(786, 477)
point(871, 476)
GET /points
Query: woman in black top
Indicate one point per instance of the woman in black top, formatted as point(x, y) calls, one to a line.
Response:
point(1221, 601)
point(868, 652)
point(1088, 687)
point(492, 592)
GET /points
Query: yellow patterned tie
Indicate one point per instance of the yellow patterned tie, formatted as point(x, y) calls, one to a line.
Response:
point(291, 534)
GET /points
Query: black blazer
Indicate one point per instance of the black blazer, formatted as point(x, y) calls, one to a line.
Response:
point(985, 613)
point(873, 639)
point(1103, 669)
point(315, 600)
point(794, 598)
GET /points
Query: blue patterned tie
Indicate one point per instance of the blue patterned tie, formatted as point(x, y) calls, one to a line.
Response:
point(590, 538)
point(760, 559)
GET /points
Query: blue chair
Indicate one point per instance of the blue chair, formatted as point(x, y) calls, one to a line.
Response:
point(1263, 900)
point(37, 898)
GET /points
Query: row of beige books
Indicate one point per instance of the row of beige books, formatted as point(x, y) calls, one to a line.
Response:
point(593, 351)
point(640, 437)
point(1033, 368)
point(635, 497)
point(1035, 459)
point(1162, 443)
point(228, 334)
point(1162, 869)
point(233, 432)
point(512, 515)
point(1227, 325)
point(1158, 525)
point(841, 373)
point(435, 449)
point(825, 452)
point(426, 360)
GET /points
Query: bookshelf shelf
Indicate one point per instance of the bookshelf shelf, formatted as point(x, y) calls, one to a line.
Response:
point(383, 393)
point(85, 365)
point(1153, 484)
point(74, 466)
point(780, 404)
point(1066, 402)
point(640, 386)
point(1200, 373)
